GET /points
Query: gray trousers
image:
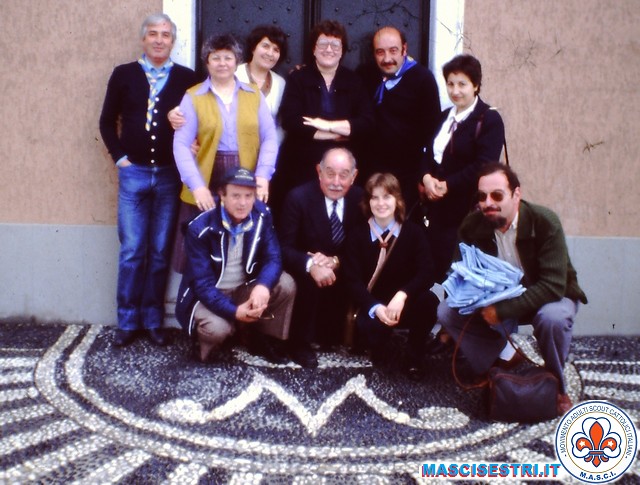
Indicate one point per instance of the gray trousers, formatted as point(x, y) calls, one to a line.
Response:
point(482, 343)
point(217, 329)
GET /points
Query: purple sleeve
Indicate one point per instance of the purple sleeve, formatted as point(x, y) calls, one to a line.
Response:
point(182, 140)
point(268, 142)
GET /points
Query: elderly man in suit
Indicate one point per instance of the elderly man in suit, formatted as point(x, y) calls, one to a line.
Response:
point(314, 220)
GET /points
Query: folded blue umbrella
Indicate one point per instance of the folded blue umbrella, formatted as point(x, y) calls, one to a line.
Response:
point(480, 280)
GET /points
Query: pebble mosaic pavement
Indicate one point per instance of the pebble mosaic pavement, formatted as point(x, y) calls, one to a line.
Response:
point(74, 409)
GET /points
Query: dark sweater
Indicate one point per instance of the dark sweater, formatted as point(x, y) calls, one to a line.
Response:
point(126, 102)
point(302, 96)
point(548, 272)
point(405, 121)
point(408, 266)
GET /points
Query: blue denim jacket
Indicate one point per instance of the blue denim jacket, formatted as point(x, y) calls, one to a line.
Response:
point(206, 246)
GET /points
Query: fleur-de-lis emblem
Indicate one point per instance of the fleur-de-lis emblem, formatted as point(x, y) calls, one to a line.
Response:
point(596, 443)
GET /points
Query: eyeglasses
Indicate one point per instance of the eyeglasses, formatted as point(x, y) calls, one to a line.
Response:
point(496, 196)
point(325, 44)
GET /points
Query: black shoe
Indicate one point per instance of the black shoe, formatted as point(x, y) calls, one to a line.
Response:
point(263, 346)
point(303, 355)
point(436, 346)
point(415, 373)
point(122, 338)
point(158, 337)
point(414, 369)
point(512, 363)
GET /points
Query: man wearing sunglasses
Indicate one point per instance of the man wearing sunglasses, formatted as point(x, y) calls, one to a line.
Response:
point(531, 238)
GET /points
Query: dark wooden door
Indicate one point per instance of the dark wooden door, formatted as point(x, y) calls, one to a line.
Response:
point(296, 17)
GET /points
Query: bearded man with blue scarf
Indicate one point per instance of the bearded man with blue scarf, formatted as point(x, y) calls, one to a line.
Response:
point(233, 278)
point(406, 107)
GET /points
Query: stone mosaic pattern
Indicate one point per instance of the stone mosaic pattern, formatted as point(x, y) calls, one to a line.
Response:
point(73, 409)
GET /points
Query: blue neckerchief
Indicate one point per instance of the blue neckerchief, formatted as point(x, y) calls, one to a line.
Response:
point(390, 82)
point(157, 78)
point(160, 74)
point(235, 229)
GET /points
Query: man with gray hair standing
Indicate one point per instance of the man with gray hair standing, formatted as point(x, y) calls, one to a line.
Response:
point(135, 130)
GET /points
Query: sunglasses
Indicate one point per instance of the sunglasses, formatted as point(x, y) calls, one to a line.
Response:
point(496, 196)
point(267, 316)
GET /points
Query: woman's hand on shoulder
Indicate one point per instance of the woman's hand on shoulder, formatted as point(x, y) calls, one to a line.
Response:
point(262, 189)
point(204, 199)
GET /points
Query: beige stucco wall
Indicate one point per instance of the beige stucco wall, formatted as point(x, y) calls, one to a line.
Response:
point(563, 73)
point(565, 77)
point(56, 59)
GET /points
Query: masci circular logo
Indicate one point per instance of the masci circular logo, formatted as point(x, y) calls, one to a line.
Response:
point(596, 442)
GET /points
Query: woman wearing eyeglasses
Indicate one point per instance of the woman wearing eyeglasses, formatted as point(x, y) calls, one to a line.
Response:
point(323, 106)
point(470, 133)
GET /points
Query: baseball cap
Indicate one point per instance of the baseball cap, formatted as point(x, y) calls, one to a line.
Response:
point(240, 176)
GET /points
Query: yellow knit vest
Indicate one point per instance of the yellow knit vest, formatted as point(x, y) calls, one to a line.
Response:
point(210, 131)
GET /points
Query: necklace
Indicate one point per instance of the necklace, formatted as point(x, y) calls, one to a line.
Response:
point(264, 85)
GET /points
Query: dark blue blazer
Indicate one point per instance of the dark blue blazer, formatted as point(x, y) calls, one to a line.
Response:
point(206, 247)
point(305, 227)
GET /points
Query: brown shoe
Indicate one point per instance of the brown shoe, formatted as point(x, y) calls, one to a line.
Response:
point(564, 404)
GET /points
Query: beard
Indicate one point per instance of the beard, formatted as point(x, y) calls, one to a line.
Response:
point(495, 220)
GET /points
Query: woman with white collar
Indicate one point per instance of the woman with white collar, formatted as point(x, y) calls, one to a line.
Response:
point(266, 46)
point(470, 134)
point(388, 271)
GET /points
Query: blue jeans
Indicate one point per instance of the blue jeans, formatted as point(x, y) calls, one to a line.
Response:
point(147, 211)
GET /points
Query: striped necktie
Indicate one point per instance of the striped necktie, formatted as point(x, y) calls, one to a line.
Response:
point(153, 76)
point(337, 231)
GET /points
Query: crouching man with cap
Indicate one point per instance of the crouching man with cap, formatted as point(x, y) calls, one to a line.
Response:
point(233, 278)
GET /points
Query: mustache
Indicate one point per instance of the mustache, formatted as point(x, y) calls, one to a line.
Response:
point(491, 209)
point(390, 63)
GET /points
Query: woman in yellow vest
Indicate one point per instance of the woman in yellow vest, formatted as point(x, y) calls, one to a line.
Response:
point(231, 123)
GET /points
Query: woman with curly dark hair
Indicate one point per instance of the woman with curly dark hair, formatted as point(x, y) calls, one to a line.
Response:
point(265, 48)
point(324, 106)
